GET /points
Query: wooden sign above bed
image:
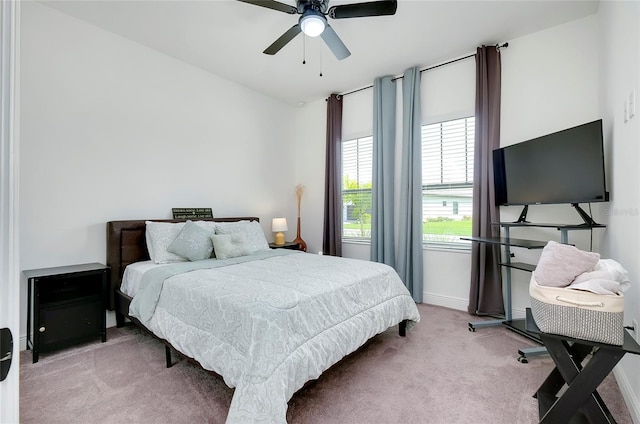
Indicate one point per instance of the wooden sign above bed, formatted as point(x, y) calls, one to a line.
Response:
point(189, 213)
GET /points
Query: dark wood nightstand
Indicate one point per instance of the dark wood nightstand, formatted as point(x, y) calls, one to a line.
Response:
point(287, 245)
point(67, 305)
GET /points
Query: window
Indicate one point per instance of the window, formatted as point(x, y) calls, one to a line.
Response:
point(447, 180)
point(447, 183)
point(357, 161)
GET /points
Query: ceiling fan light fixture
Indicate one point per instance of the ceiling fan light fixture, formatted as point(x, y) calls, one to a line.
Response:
point(312, 23)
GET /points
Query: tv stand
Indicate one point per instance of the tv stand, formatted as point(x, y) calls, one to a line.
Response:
point(518, 325)
point(523, 215)
point(588, 221)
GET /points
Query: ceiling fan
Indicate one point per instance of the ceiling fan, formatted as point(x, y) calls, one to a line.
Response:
point(313, 21)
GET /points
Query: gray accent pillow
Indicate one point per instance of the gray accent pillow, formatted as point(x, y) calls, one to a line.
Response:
point(193, 242)
point(231, 245)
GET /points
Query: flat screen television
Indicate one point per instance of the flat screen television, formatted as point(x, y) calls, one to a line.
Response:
point(563, 167)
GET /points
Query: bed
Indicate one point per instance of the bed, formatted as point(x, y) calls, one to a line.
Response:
point(266, 320)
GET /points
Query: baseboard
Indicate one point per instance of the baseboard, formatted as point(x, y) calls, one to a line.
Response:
point(518, 313)
point(459, 304)
point(111, 319)
point(630, 398)
point(446, 301)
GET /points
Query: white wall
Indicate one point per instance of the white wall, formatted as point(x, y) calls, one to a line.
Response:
point(113, 130)
point(619, 49)
point(309, 135)
point(549, 83)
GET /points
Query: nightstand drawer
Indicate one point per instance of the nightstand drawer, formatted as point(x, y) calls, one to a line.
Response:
point(69, 323)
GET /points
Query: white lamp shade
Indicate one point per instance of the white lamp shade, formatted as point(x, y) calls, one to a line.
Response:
point(312, 24)
point(279, 224)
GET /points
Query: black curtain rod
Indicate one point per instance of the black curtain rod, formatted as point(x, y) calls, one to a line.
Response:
point(498, 46)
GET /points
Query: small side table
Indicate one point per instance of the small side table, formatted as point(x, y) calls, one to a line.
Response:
point(287, 245)
point(580, 402)
point(67, 305)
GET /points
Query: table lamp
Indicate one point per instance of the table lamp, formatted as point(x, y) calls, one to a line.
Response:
point(278, 225)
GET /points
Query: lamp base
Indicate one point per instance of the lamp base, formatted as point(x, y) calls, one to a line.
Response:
point(279, 239)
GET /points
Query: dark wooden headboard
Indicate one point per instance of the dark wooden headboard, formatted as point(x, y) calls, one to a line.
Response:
point(126, 244)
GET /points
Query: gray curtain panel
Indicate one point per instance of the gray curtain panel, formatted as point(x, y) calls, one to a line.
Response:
point(382, 201)
point(409, 264)
point(485, 295)
point(332, 228)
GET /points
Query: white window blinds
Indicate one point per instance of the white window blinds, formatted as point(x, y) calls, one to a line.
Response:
point(447, 179)
point(357, 162)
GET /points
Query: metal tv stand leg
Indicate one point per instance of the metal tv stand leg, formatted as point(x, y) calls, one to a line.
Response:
point(487, 323)
point(507, 295)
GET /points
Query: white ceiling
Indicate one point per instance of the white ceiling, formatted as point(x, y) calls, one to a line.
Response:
point(227, 37)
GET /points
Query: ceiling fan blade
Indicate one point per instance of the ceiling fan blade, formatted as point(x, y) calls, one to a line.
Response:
point(283, 40)
point(361, 10)
point(275, 5)
point(335, 43)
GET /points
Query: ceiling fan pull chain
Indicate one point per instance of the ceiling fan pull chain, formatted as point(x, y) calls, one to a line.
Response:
point(304, 49)
point(320, 48)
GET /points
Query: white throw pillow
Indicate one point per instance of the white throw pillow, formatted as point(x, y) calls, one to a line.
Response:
point(255, 236)
point(207, 225)
point(230, 245)
point(159, 236)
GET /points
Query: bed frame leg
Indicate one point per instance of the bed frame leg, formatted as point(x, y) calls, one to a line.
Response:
point(403, 328)
point(119, 320)
point(167, 353)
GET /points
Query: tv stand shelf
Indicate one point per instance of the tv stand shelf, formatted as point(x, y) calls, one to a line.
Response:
point(563, 228)
point(519, 265)
point(549, 225)
point(518, 325)
point(505, 241)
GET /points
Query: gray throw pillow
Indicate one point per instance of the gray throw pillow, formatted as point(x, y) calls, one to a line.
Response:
point(193, 243)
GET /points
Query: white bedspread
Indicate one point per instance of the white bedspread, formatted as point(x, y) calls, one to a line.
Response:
point(269, 325)
point(133, 274)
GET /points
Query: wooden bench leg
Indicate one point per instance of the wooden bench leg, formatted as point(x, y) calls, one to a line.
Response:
point(581, 393)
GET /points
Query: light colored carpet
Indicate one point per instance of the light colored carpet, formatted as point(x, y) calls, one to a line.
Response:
point(439, 374)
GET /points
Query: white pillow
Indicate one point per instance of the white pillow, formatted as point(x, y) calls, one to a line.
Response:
point(207, 225)
point(159, 236)
point(147, 237)
point(255, 236)
point(193, 242)
point(230, 245)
